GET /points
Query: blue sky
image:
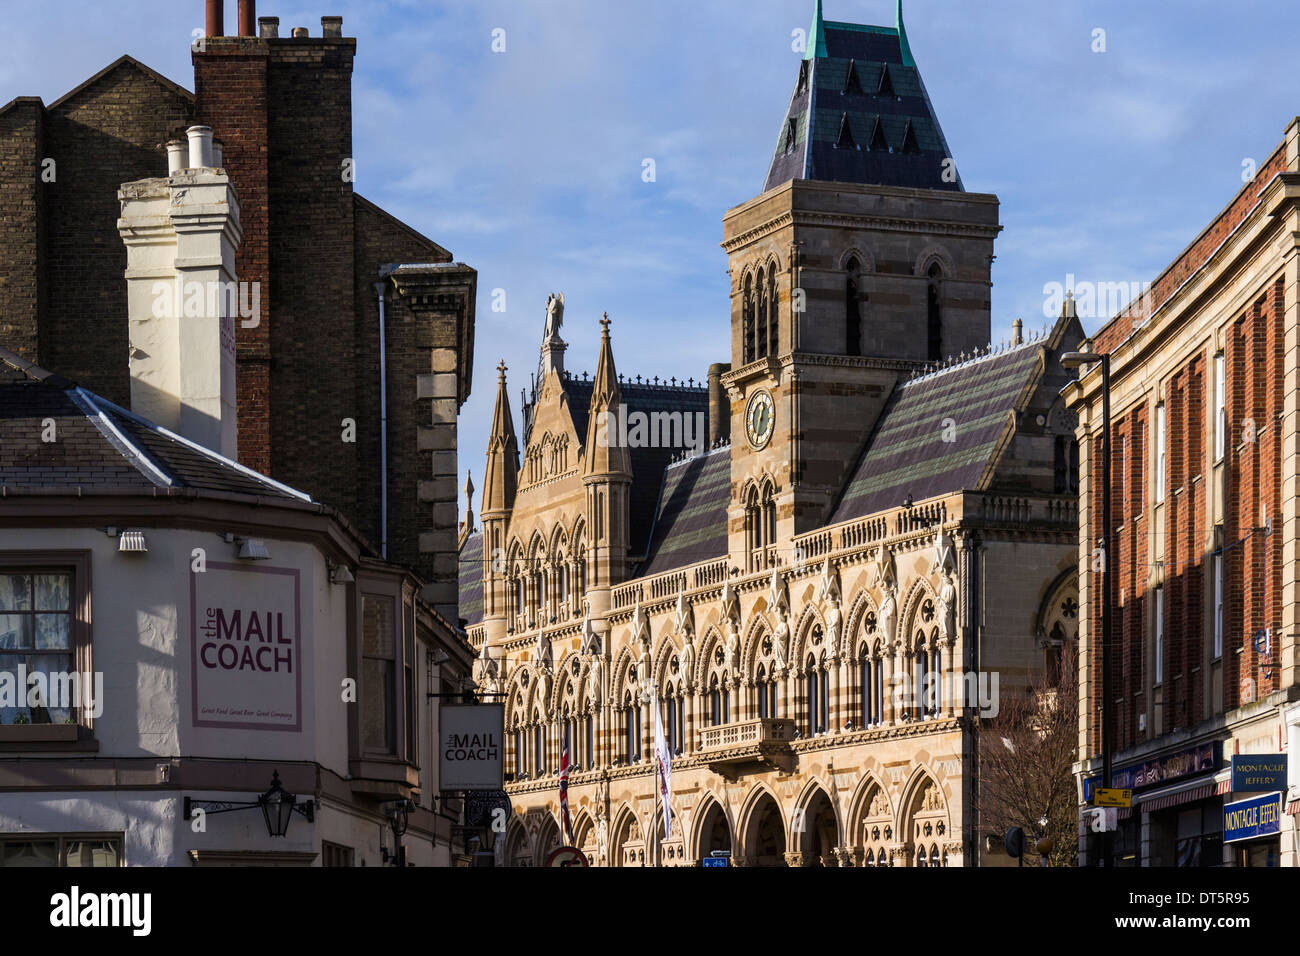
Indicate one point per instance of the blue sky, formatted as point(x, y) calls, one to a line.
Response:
point(527, 164)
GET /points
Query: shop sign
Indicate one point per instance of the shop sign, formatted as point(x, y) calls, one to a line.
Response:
point(1249, 819)
point(1258, 773)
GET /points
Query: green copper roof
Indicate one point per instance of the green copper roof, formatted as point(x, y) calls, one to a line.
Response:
point(816, 35)
point(904, 48)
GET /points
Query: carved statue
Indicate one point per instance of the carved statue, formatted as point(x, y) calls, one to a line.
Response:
point(780, 641)
point(732, 648)
point(888, 609)
point(594, 676)
point(554, 314)
point(602, 834)
point(832, 615)
point(544, 689)
point(946, 604)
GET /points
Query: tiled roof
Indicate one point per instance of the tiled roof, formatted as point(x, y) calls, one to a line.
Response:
point(99, 446)
point(471, 579)
point(910, 452)
point(691, 523)
point(860, 114)
point(647, 463)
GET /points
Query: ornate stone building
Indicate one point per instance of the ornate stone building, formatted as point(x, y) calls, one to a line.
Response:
point(823, 563)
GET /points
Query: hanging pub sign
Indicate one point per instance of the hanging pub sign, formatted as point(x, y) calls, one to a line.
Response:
point(471, 739)
point(246, 647)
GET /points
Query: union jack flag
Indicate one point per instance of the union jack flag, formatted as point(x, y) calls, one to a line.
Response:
point(564, 792)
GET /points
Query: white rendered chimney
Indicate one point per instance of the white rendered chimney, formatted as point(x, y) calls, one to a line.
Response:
point(183, 300)
point(178, 155)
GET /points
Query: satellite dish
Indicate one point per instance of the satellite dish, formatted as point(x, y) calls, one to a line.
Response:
point(1014, 841)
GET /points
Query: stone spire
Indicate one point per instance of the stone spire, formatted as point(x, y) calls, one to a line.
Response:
point(468, 527)
point(503, 455)
point(606, 449)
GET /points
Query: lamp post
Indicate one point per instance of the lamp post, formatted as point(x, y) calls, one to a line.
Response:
point(1075, 360)
point(277, 806)
point(398, 813)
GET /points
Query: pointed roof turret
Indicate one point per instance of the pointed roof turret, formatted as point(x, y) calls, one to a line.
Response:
point(503, 455)
point(868, 74)
point(606, 451)
point(816, 34)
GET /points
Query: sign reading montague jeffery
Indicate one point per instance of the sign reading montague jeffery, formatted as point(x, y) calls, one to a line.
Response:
point(246, 647)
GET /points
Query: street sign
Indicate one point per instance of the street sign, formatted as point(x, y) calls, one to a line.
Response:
point(1112, 797)
point(715, 861)
point(1258, 773)
point(567, 856)
point(1256, 817)
point(1101, 819)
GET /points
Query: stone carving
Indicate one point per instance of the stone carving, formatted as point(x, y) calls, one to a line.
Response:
point(732, 647)
point(544, 690)
point(832, 615)
point(780, 642)
point(602, 834)
point(879, 805)
point(931, 801)
point(542, 647)
point(946, 605)
point(682, 616)
point(595, 675)
point(888, 612)
point(943, 556)
point(554, 315)
point(826, 584)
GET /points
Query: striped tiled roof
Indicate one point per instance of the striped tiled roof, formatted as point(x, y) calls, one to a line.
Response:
point(471, 579)
point(691, 522)
point(910, 452)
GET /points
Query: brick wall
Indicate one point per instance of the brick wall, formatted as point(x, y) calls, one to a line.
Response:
point(230, 80)
point(105, 133)
point(22, 209)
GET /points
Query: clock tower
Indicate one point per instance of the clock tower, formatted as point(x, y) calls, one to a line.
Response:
point(863, 261)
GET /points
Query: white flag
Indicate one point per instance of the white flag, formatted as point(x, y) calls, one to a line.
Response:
point(663, 771)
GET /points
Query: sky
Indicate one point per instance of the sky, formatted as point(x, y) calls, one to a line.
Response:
point(1109, 151)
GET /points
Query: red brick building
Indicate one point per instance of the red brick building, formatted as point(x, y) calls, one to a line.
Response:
point(312, 365)
point(1202, 533)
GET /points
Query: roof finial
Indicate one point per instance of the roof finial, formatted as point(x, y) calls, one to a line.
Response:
point(604, 325)
point(816, 35)
point(501, 371)
point(903, 47)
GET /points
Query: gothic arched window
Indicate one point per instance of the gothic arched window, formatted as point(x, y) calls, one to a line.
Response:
point(934, 315)
point(760, 342)
point(773, 337)
point(747, 320)
point(852, 309)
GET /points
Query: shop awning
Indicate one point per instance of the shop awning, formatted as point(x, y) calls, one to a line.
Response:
point(1179, 794)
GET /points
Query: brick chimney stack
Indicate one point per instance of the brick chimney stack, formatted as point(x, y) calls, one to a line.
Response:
point(216, 18)
point(181, 233)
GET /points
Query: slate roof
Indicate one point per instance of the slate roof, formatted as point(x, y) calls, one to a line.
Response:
point(908, 455)
point(471, 579)
point(860, 114)
point(691, 521)
point(648, 464)
point(100, 447)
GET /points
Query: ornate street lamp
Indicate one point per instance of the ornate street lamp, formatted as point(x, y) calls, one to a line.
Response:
point(277, 807)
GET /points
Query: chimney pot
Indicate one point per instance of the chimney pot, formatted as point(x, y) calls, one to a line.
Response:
point(331, 26)
point(216, 18)
point(1017, 332)
point(719, 406)
point(268, 28)
point(299, 32)
point(247, 17)
point(177, 155)
point(200, 146)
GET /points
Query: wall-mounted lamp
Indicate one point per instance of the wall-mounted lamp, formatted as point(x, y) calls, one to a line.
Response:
point(339, 573)
point(252, 549)
point(277, 806)
point(132, 542)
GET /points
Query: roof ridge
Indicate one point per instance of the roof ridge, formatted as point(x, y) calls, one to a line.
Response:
point(980, 355)
point(202, 450)
point(143, 463)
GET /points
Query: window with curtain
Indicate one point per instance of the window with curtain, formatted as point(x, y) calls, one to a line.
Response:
point(37, 633)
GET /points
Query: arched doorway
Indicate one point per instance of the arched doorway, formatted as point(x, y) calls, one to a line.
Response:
point(764, 841)
point(715, 832)
point(548, 839)
point(820, 834)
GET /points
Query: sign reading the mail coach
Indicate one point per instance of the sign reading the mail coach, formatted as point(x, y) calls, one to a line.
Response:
point(1258, 773)
point(470, 746)
point(246, 647)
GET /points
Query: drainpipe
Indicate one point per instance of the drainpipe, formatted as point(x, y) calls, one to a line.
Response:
point(383, 428)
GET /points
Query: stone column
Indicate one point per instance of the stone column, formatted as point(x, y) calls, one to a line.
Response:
point(794, 858)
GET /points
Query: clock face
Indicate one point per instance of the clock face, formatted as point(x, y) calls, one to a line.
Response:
point(760, 417)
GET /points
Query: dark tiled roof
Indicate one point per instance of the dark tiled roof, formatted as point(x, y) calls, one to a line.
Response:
point(99, 446)
point(471, 579)
point(648, 464)
point(861, 114)
point(908, 454)
point(691, 524)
